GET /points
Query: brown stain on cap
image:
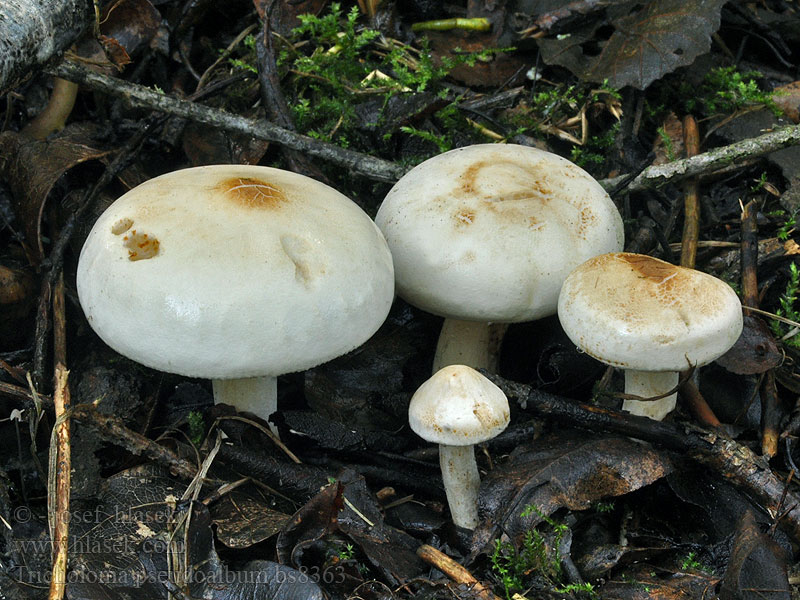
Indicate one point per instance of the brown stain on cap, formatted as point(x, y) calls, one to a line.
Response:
point(252, 193)
point(650, 268)
point(141, 246)
point(534, 185)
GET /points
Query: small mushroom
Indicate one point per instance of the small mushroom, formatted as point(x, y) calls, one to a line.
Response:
point(235, 273)
point(651, 318)
point(487, 233)
point(458, 408)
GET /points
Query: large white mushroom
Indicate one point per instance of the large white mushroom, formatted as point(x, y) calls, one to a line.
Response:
point(487, 233)
point(651, 318)
point(458, 408)
point(235, 273)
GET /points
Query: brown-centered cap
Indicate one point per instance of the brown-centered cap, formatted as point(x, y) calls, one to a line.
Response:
point(489, 232)
point(234, 271)
point(637, 312)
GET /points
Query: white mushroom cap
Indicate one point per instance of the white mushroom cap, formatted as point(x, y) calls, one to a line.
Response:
point(638, 312)
point(234, 271)
point(458, 406)
point(489, 232)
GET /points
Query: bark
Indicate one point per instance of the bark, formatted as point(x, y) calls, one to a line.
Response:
point(34, 31)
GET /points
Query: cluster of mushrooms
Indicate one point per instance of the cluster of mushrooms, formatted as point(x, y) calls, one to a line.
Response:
point(242, 273)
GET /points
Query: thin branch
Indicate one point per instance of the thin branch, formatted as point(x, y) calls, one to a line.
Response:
point(711, 161)
point(141, 96)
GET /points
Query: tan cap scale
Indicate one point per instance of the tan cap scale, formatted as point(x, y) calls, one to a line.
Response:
point(651, 318)
point(487, 233)
point(458, 408)
point(235, 273)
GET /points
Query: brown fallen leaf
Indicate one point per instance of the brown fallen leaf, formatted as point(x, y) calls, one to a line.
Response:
point(564, 469)
point(648, 41)
point(32, 168)
point(754, 352)
point(243, 521)
point(787, 97)
point(758, 565)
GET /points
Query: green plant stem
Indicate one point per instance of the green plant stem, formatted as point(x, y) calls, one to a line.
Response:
point(475, 24)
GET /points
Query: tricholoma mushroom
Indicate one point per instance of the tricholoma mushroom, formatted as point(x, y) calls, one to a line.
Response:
point(487, 233)
point(235, 273)
point(458, 408)
point(651, 318)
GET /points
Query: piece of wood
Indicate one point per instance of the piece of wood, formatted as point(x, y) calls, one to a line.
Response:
point(59, 486)
point(142, 96)
point(691, 204)
point(32, 32)
point(455, 571)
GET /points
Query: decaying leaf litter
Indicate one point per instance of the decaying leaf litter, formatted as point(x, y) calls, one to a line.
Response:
point(170, 494)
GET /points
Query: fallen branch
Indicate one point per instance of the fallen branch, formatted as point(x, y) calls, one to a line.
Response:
point(58, 488)
point(32, 32)
point(382, 170)
point(711, 161)
point(735, 462)
point(113, 430)
point(141, 96)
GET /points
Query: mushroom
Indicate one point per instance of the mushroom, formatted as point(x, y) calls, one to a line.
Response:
point(487, 233)
point(235, 273)
point(458, 408)
point(652, 319)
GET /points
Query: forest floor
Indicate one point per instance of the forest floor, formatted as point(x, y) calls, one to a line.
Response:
point(685, 112)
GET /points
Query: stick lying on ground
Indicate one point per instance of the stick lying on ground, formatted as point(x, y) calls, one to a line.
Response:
point(382, 170)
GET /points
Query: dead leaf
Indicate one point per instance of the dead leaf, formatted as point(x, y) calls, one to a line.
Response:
point(131, 25)
point(647, 41)
point(204, 146)
point(309, 524)
point(243, 521)
point(563, 470)
point(32, 168)
point(754, 352)
point(389, 550)
point(672, 148)
point(758, 566)
point(787, 97)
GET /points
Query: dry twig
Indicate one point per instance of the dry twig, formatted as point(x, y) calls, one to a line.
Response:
point(139, 95)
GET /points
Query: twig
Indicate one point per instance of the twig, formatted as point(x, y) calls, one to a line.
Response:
point(711, 161)
point(454, 571)
point(691, 207)
point(736, 463)
point(749, 257)
point(59, 485)
point(698, 406)
point(111, 429)
point(138, 95)
point(771, 415)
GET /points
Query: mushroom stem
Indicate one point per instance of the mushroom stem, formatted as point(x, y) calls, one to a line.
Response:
point(461, 483)
point(475, 344)
point(648, 384)
point(257, 395)
point(55, 114)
